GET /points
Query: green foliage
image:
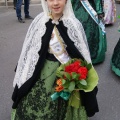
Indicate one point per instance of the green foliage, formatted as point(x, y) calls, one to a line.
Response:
point(89, 66)
point(119, 16)
point(63, 81)
point(83, 82)
point(67, 75)
point(71, 81)
point(75, 76)
point(71, 86)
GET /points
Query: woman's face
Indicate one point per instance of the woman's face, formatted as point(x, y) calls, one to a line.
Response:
point(56, 6)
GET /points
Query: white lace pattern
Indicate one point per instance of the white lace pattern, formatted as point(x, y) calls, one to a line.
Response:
point(32, 45)
point(29, 55)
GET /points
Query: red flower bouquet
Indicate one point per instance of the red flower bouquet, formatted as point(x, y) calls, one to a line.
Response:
point(73, 76)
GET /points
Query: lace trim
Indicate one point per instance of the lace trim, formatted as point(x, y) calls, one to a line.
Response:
point(29, 55)
point(78, 38)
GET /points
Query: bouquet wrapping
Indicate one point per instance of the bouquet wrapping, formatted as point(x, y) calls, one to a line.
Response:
point(73, 76)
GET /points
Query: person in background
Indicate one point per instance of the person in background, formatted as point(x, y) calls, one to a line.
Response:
point(14, 3)
point(96, 37)
point(117, 1)
point(26, 10)
point(54, 37)
point(110, 11)
point(115, 60)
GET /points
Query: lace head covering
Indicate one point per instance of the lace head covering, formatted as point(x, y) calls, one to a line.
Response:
point(67, 11)
point(32, 44)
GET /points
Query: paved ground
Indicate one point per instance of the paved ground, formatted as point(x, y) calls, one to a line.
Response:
point(10, 2)
point(12, 36)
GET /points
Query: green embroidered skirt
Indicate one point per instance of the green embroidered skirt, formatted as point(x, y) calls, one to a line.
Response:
point(37, 105)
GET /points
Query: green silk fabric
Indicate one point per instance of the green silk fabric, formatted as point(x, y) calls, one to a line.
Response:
point(96, 40)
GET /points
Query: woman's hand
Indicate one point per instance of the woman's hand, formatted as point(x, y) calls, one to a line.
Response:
point(101, 16)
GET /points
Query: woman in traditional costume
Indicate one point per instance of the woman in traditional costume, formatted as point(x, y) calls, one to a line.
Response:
point(115, 61)
point(110, 11)
point(90, 14)
point(55, 36)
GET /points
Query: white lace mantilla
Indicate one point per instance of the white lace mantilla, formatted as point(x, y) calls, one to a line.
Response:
point(29, 55)
point(32, 45)
point(77, 35)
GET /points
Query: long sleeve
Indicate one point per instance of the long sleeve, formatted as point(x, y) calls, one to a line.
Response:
point(99, 7)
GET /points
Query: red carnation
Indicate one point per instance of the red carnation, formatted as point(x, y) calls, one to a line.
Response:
point(77, 63)
point(69, 68)
point(72, 67)
point(83, 72)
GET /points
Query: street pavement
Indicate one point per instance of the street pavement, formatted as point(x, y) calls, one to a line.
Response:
point(10, 2)
point(12, 34)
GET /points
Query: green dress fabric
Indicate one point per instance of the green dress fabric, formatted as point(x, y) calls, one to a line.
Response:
point(38, 105)
point(95, 38)
point(115, 61)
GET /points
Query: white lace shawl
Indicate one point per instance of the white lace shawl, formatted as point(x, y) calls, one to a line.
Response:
point(32, 44)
